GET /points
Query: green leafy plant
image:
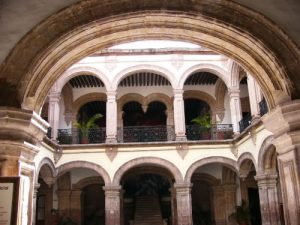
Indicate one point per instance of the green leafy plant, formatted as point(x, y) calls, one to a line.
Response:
point(85, 127)
point(242, 214)
point(202, 120)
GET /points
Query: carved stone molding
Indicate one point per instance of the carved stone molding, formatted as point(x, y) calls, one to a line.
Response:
point(182, 150)
point(111, 152)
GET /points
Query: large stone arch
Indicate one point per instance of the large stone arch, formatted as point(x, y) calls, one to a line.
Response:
point(140, 68)
point(87, 181)
point(216, 70)
point(94, 96)
point(50, 172)
point(213, 159)
point(166, 100)
point(225, 27)
point(79, 70)
point(62, 169)
point(245, 162)
point(128, 98)
point(152, 161)
point(267, 156)
point(202, 96)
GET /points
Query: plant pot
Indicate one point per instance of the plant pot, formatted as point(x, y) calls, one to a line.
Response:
point(84, 140)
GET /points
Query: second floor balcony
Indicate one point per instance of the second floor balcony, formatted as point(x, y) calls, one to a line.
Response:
point(141, 134)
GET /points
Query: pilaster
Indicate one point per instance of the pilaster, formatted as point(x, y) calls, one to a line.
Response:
point(111, 117)
point(179, 117)
point(219, 205)
point(284, 123)
point(112, 205)
point(76, 206)
point(268, 197)
point(184, 203)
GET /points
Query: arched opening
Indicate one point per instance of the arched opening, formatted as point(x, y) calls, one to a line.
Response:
point(93, 205)
point(144, 123)
point(249, 191)
point(44, 200)
point(197, 119)
point(213, 194)
point(147, 198)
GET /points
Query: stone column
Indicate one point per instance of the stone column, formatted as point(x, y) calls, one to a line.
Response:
point(179, 117)
point(35, 191)
point(170, 125)
point(75, 206)
point(111, 117)
point(230, 199)
point(254, 97)
point(184, 203)
point(219, 205)
point(112, 205)
point(173, 206)
point(64, 202)
point(9, 167)
point(268, 197)
point(284, 123)
point(53, 113)
point(235, 108)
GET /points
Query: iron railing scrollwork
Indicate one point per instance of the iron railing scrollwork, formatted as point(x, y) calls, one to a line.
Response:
point(214, 132)
point(263, 107)
point(146, 133)
point(75, 136)
point(245, 122)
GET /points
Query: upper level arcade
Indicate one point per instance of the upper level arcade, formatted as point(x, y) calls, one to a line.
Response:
point(152, 91)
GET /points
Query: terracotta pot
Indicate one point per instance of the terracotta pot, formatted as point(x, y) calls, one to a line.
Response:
point(84, 140)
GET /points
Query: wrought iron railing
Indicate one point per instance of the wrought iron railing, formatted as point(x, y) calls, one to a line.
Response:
point(263, 107)
point(146, 133)
point(75, 136)
point(214, 132)
point(49, 133)
point(245, 122)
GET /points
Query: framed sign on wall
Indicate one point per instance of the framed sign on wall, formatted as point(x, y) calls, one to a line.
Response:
point(9, 196)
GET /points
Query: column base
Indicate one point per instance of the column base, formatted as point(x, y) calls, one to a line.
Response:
point(110, 140)
point(181, 138)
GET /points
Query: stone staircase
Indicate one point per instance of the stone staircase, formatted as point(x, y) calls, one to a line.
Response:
point(147, 211)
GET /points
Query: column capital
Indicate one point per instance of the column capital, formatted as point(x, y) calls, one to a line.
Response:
point(185, 186)
point(178, 92)
point(54, 96)
point(266, 180)
point(112, 190)
point(234, 93)
point(111, 94)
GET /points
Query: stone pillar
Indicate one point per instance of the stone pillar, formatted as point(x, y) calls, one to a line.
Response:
point(179, 117)
point(111, 117)
point(64, 202)
point(35, 191)
point(235, 109)
point(184, 203)
point(268, 197)
point(173, 206)
point(112, 205)
point(170, 125)
point(230, 199)
point(9, 167)
point(53, 113)
point(284, 123)
point(75, 205)
point(254, 97)
point(219, 205)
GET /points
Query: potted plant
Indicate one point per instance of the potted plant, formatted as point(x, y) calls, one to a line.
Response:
point(204, 122)
point(241, 215)
point(85, 127)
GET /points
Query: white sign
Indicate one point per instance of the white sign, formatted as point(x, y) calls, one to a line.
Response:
point(6, 198)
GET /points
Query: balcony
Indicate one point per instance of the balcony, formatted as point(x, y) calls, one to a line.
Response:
point(215, 132)
point(245, 122)
point(146, 134)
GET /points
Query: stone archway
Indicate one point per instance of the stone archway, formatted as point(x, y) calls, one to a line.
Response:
point(250, 49)
point(62, 169)
point(158, 162)
point(214, 159)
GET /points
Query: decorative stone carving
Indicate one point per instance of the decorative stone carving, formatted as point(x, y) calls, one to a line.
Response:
point(111, 152)
point(182, 150)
